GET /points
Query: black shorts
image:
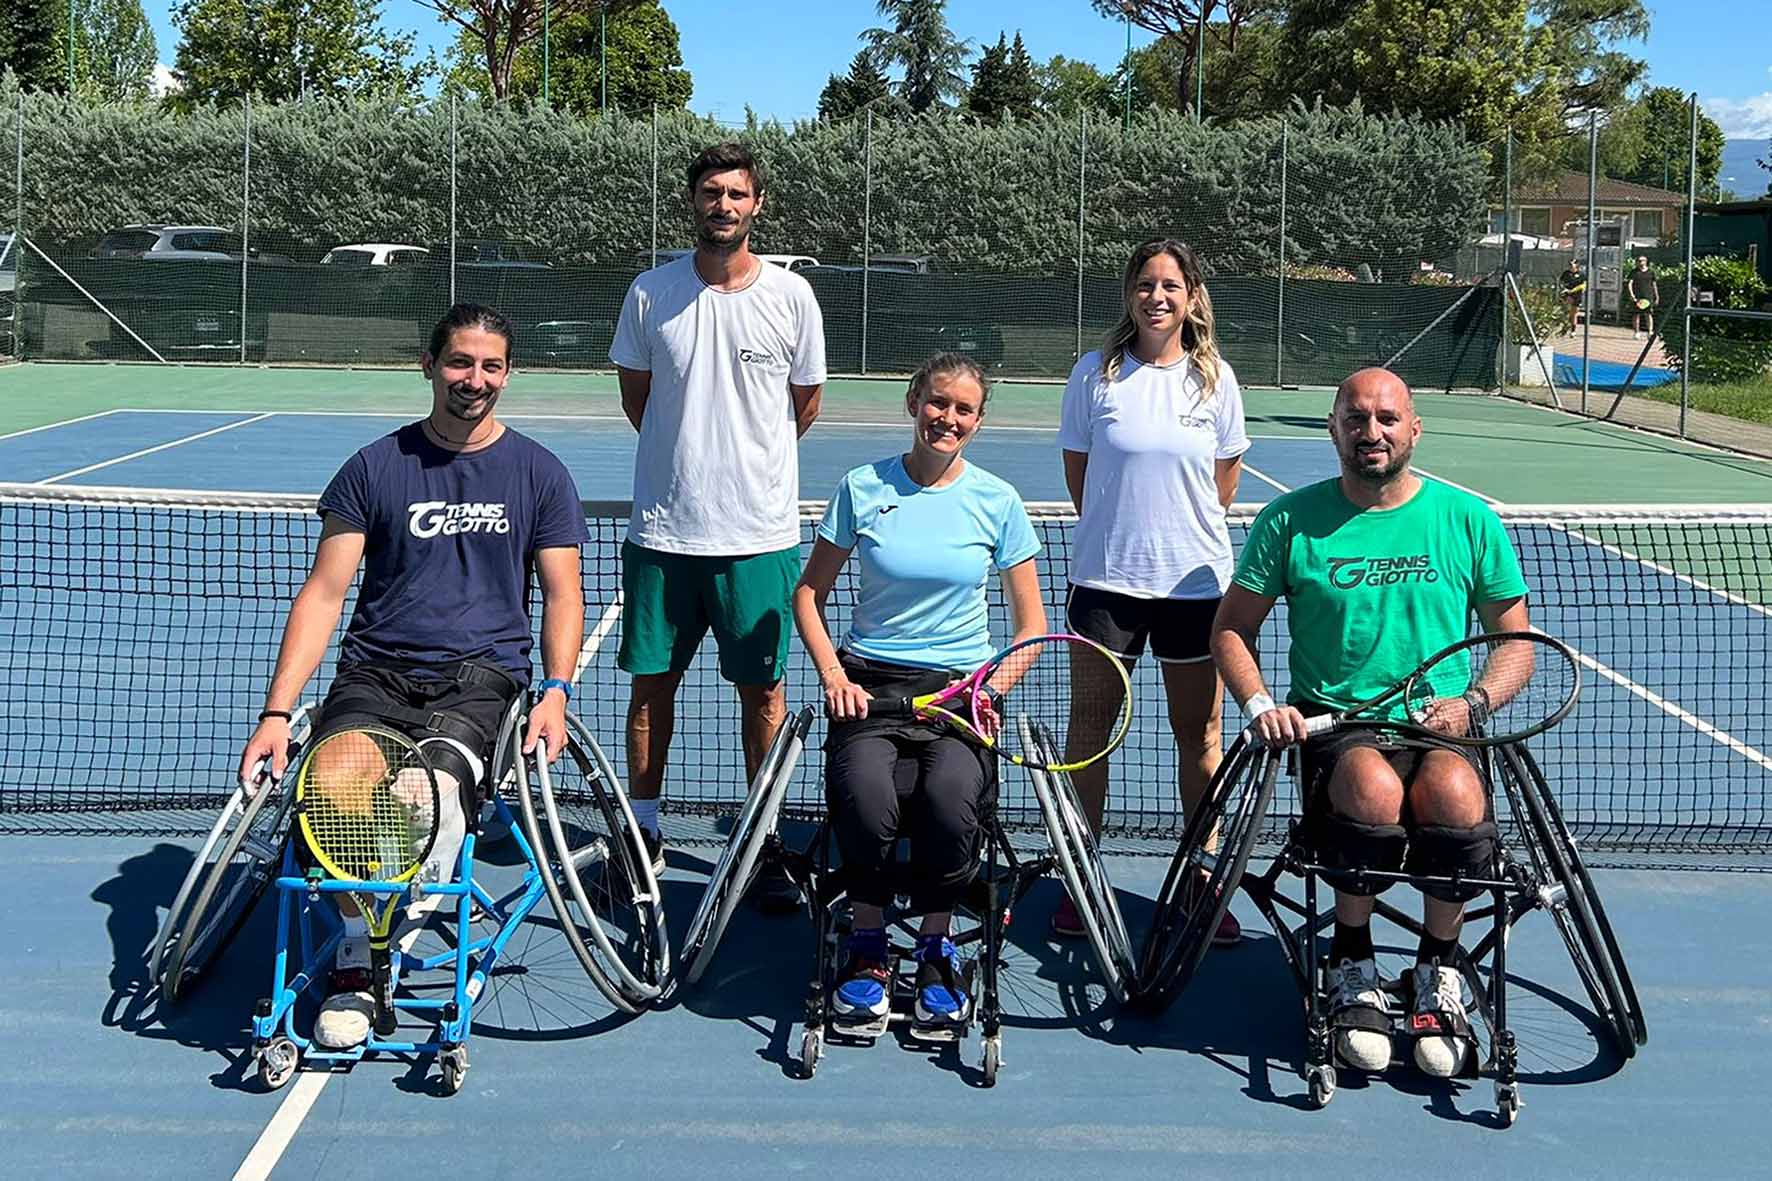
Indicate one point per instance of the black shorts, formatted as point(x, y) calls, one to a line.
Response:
point(1180, 630)
point(466, 702)
point(1404, 752)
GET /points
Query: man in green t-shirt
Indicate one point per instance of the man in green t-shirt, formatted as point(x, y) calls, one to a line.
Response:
point(1380, 569)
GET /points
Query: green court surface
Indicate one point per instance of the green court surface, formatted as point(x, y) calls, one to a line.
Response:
point(1509, 451)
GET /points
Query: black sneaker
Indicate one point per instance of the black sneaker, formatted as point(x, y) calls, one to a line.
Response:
point(654, 843)
point(772, 890)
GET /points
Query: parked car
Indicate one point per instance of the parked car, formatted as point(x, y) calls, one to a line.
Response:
point(374, 254)
point(157, 242)
point(189, 312)
point(792, 262)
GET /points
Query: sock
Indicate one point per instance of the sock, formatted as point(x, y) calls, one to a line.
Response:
point(1435, 949)
point(1350, 943)
point(868, 943)
point(353, 945)
point(646, 814)
point(931, 947)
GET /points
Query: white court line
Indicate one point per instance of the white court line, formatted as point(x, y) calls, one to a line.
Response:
point(93, 467)
point(1674, 711)
point(1484, 496)
point(274, 1140)
point(594, 641)
point(1264, 477)
point(49, 426)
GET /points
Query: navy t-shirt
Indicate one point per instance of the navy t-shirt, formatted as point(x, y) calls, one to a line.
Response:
point(449, 546)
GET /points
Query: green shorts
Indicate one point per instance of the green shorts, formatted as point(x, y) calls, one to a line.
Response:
point(669, 601)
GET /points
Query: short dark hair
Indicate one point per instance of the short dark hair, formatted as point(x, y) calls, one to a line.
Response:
point(471, 315)
point(726, 157)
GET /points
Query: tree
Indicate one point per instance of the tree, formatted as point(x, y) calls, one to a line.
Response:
point(1767, 165)
point(1177, 26)
point(644, 63)
point(114, 49)
point(986, 98)
point(495, 30)
point(287, 49)
point(1068, 88)
point(865, 85)
point(1243, 80)
point(921, 44)
point(1021, 88)
point(31, 39)
point(1648, 141)
point(1577, 38)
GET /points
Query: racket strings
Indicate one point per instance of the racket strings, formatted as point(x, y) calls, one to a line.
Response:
point(1068, 700)
point(371, 802)
point(1494, 686)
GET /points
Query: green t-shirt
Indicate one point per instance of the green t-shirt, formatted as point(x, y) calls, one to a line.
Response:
point(1372, 593)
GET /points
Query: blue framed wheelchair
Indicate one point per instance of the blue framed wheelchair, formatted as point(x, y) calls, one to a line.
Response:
point(982, 917)
point(578, 847)
point(1536, 866)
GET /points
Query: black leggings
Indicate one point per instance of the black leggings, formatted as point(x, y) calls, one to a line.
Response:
point(936, 791)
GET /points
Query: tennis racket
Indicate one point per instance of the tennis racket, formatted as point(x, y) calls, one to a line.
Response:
point(1070, 689)
point(1642, 305)
point(1487, 690)
point(367, 803)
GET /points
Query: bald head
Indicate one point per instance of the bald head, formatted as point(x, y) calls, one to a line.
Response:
point(1375, 382)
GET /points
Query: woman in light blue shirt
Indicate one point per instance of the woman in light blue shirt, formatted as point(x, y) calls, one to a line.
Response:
point(929, 528)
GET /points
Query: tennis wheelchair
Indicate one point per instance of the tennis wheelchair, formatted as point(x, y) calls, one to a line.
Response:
point(1536, 866)
point(981, 920)
point(576, 842)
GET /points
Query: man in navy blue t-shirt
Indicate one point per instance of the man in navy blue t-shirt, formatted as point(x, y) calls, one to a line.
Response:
point(449, 518)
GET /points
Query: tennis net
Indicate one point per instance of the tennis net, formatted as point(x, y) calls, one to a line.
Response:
point(141, 627)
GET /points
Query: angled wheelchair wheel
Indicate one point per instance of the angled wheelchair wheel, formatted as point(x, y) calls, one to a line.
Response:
point(230, 873)
point(595, 870)
point(1566, 890)
point(1205, 872)
point(737, 863)
point(1078, 858)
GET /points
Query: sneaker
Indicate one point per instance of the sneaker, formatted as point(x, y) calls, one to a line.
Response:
point(1230, 931)
point(940, 999)
point(654, 842)
point(346, 1012)
point(1066, 922)
point(1437, 1019)
point(1360, 1012)
point(864, 992)
point(772, 890)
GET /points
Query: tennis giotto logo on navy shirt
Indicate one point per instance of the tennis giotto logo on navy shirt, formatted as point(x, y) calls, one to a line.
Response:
point(432, 518)
point(1348, 573)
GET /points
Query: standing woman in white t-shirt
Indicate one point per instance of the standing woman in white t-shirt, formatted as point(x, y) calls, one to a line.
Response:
point(1153, 437)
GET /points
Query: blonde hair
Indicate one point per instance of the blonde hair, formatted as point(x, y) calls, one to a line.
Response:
point(1196, 329)
point(941, 364)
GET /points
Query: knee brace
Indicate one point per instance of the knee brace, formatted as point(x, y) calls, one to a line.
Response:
point(458, 768)
point(1442, 851)
point(1346, 846)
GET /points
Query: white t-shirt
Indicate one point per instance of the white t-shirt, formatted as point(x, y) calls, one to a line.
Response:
point(717, 470)
point(1151, 524)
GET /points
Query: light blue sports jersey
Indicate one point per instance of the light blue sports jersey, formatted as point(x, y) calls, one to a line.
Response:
point(926, 555)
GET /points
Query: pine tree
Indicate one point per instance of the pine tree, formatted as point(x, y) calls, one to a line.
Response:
point(846, 94)
point(1021, 85)
point(989, 93)
point(30, 43)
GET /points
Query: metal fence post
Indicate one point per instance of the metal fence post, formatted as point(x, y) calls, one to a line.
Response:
point(1280, 311)
point(245, 221)
point(1691, 219)
point(654, 184)
point(1507, 224)
point(452, 181)
point(1082, 172)
point(18, 235)
point(867, 224)
point(1586, 303)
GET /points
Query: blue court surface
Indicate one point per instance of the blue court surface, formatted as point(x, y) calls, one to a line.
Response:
point(100, 1080)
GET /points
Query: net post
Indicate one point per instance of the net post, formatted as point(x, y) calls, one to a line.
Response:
point(1280, 291)
point(1082, 172)
point(867, 225)
point(1586, 304)
point(1691, 218)
point(453, 133)
point(654, 184)
point(245, 217)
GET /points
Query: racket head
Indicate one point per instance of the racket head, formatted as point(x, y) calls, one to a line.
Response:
point(367, 804)
point(1494, 689)
point(1067, 689)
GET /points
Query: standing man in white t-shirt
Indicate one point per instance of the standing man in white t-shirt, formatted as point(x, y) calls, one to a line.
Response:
point(1153, 438)
point(721, 358)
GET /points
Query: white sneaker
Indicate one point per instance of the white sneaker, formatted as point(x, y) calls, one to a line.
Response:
point(1438, 1020)
point(1360, 1012)
point(344, 1017)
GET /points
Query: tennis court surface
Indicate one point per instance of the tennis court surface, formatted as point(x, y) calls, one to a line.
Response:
point(155, 524)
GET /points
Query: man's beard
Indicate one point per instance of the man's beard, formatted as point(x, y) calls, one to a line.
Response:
point(459, 399)
point(704, 235)
point(1399, 463)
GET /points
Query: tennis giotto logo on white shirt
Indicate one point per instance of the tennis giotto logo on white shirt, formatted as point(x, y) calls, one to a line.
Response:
point(755, 357)
point(429, 518)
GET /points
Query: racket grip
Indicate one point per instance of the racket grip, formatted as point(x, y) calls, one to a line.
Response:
point(1318, 724)
point(890, 707)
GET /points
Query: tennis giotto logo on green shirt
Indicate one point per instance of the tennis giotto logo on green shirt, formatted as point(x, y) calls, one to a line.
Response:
point(1349, 573)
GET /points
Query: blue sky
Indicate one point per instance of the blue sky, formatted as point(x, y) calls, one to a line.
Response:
point(776, 55)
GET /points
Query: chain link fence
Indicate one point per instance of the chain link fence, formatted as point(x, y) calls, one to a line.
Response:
point(335, 234)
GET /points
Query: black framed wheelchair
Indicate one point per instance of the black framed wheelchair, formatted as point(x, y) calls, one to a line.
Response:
point(1537, 866)
point(578, 847)
point(982, 918)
